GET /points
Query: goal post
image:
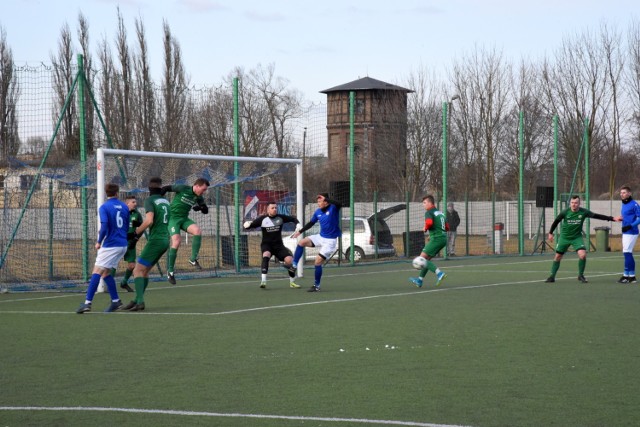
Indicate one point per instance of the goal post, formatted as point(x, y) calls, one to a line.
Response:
point(269, 178)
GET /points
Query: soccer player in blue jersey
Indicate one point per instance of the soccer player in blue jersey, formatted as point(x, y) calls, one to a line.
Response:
point(111, 246)
point(328, 215)
point(630, 217)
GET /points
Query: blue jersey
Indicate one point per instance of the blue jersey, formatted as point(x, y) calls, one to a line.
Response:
point(630, 216)
point(329, 219)
point(114, 223)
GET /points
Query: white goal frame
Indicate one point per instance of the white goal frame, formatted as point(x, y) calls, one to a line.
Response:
point(101, 154)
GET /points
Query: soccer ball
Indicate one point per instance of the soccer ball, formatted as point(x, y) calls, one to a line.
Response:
point(419, 263)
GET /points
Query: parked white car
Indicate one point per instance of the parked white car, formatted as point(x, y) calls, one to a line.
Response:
point(363, 236)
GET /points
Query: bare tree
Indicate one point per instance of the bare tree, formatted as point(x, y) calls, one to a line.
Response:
point(255, 127)
point(89, 74)
point(107, 89)
point(633, 79)
point(64, 75)
point(611, 40)
point(174, 87)
point(9, 93)
point(574, 87)
point(282, 105)
point(537, 135)
point(211, 121)
point(116, 89)
point(482, 82)
point(424, 130)
point(125, 90)
point(145, 100)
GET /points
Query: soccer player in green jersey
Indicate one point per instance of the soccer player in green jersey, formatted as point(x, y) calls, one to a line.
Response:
point(157, 221)
point(572, 219)
point(436, 224)
point(135, 219)
point(187, 197)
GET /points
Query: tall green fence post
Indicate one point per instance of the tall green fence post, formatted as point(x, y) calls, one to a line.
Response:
point(375, 222)
point(466, 222)
point(521, 185)
point(236, 173)
point(493, 224)
point(83, 171)
point(352, 136)
point(407, 227)
point(587, 198)
point(445, 162)
point(50, 229)
point(555, 166)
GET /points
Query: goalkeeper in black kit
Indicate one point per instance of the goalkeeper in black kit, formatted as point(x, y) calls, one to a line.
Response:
point(272, 245)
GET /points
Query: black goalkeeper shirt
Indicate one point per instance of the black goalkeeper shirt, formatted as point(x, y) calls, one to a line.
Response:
point(272, 226)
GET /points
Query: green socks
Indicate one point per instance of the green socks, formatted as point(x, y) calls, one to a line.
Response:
point(140, 287)
point(582, 263)
point(554, 268)
point(127, 276)
point(195, 247)
point(171, 261)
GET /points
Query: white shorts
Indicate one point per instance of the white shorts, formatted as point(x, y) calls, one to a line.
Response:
point(628, 242)
point(326, 247)
point(110, 257)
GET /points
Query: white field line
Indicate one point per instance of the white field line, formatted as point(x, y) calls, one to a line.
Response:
point(266, 416)
point(217, 414)
point(274, 307)
point(476, 267)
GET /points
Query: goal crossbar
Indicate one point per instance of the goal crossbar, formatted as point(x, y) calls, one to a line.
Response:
point(102, 152)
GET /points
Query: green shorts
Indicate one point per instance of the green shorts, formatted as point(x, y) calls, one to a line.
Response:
point(130, 255)
point(175, 225)
point(563, 244)
point(434, 246)
point(153, 251)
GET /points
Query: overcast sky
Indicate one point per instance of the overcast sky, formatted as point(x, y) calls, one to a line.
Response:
point(316, 44)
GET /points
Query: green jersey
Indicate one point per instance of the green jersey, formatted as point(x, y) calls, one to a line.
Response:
point(571, 227)
point(183, 201)
point(435, 222)
point(160, 207)
point(135, 219)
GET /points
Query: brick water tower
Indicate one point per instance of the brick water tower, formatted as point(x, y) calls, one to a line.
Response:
point(380, 136)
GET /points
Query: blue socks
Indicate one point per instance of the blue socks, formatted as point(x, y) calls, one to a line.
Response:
point(318, 276)
point(93, 287)
point(629, 264)
point(111, 285)
point(297, 254)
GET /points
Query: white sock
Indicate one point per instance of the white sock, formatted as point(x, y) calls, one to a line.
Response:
point(264, 277)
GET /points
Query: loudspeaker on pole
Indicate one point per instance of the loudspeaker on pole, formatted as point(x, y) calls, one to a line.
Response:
point(544, 197)
point(339, 191)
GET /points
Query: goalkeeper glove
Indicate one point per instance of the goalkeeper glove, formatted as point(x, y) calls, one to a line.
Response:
point(626, 228)
point(247, 224)
point(201, 208)
point(132, 240)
